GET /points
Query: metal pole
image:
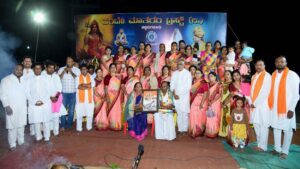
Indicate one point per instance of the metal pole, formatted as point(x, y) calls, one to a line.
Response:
point(37, 42)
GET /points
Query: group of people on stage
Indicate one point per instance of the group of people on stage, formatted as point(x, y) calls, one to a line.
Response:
point(200, 93)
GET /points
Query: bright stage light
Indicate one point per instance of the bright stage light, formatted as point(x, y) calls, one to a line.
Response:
point(39, 17)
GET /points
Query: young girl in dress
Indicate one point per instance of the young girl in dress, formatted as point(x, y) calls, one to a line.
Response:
point(239, 125)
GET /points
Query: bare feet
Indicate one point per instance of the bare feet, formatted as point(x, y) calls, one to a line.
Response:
point(241, 150)
point(62, 129)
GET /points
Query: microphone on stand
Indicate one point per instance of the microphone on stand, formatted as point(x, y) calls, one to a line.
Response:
point(137, 159)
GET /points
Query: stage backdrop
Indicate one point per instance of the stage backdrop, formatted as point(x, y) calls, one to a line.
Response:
point(154, 28)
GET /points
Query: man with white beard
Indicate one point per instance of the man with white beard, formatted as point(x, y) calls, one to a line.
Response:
point(181, 83)
point(13, 98)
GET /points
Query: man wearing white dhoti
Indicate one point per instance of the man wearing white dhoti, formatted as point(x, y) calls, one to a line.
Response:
point(27, 73)
point(283, 98)
point(260, 113)
point(39, 109)
point(181, 83)
point(84, 98)
point(58, 109)
point(13, 98)
point(164, 118)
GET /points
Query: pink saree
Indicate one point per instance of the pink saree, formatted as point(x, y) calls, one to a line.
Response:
point(148, 61)
point(134, 61)
point(197, 116)
point(106, 61)
point(214, 111)
point(114, 109)
point(100, 117)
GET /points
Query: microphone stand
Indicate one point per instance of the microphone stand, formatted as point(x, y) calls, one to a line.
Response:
point(137, 159)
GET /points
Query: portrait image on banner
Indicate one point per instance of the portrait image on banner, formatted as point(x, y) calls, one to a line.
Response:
point(95, 32)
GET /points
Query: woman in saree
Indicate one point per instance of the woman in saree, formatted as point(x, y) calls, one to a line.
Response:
point(165, 76)
point(106, 60)
point(100, 118)
point(141, 48)
point(172, 57)
point(221, 63)
point(199, 94)
point(128, 84)
point(136, 119)
point(160, 60)
point(208, 60)
point(112, 106)
point(193, 69)
point(148, 59)
point(214, 107)
point(149, 82)
point(119, 60)
point(238, 88)
point(189, 57)
point(135, 61)
point(217, 48)
point(225, 100)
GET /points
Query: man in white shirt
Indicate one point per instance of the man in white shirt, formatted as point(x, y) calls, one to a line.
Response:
point(84, 98)
point(58, 108)
point(13, 98)
point(27, 73)
point(68, 75)
point(38, 93)
point(260, 113)
point(181, 83)
point(283, 98)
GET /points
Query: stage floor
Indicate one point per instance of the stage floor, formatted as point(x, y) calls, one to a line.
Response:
point(101, 148)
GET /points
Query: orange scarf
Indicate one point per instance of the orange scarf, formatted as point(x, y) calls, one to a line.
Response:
point(258, 85)
point(82, 92)
point(281, 109)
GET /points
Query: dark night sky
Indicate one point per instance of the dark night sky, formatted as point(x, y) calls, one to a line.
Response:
point(265, 27)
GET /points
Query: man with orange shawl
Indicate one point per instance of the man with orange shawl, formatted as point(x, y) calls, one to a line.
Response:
point(84, 98)
point(260, 114)
point(283, 99)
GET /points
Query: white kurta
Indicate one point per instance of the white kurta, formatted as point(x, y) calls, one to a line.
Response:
point(55, 87)
point(181, 82)
point(27, 73)
point(261, 114)
point(164, 123)
point(292, 97)
point(86, 108)
point(13, 94)
point(38, 90)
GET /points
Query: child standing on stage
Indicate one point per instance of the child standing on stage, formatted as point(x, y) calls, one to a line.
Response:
point(239, 125)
